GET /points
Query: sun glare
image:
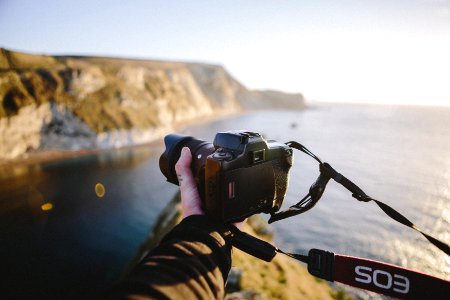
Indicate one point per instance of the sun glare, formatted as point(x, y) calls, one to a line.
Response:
point(376, 67)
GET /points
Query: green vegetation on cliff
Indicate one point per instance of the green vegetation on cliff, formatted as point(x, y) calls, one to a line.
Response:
point(283, 278)
point(88, 102)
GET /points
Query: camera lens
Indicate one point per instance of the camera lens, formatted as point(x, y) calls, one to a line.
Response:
point(174, 143)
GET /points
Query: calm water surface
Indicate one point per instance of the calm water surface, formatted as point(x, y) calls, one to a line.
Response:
point(399, 155)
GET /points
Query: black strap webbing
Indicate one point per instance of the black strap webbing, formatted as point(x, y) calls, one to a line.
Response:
point(379, 277)
point(402, 219)
point(375, 276)
point(358, 193)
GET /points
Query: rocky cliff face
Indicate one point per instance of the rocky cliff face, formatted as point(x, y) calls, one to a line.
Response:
point(71, 103)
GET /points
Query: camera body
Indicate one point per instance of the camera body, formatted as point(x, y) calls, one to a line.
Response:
point(239, 175)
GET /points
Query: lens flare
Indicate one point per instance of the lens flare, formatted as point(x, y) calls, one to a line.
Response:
point(47, 206)
point(100, 190)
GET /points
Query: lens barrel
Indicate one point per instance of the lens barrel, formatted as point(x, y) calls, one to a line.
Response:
point(174, 143)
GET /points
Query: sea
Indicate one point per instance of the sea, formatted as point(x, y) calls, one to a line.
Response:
point(69, 227)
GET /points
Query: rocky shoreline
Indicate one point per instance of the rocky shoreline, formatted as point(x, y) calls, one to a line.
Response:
point(53, 154)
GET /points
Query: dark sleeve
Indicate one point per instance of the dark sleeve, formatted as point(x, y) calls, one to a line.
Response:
point(191, 262)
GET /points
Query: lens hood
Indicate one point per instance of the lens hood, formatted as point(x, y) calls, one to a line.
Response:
point(174, 143)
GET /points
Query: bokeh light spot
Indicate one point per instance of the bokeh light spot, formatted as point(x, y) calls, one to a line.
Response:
point(47, 206)
point(100, 190)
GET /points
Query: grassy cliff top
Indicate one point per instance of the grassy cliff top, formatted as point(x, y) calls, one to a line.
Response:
point(83, 102)
point(283, 278)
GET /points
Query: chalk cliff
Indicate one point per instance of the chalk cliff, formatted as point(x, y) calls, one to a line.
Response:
point(72, 103)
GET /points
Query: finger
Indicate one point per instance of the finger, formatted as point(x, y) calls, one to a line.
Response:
point(183, 170)
point(190, 198)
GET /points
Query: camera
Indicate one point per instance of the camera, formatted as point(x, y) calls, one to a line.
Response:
point(238, 175)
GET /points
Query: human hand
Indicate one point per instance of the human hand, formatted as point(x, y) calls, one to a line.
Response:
point(191, 203)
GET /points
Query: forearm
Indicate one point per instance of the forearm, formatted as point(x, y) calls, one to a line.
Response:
point(191, 262)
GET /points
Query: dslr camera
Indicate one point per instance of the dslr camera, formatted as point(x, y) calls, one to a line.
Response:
point(238, 175)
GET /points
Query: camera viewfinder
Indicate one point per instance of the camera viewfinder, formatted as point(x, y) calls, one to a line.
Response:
point(258, 156)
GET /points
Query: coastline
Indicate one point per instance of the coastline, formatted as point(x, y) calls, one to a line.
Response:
point(43, 156)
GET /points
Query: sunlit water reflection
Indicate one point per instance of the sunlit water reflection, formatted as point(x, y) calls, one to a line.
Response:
point(71, 226)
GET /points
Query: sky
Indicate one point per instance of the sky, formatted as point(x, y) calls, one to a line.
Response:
point(365, 51)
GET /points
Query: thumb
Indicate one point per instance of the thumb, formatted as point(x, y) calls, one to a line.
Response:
point(190, 198)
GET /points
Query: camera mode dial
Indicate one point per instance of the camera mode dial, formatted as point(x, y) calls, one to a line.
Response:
point(222, 155)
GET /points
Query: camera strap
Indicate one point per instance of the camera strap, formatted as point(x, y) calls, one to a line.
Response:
point(316, 191)
point(371, 275)
point(375, 276)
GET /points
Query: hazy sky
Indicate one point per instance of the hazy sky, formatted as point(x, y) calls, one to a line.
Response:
point(352, 51)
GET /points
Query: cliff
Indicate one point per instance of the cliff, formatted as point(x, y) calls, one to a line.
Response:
point(250, 278)
point(73, 103)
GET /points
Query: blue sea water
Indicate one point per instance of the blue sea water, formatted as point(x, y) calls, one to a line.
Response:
point(397, 154)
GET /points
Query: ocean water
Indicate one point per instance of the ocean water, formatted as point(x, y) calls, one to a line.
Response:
point(397, 154)
point(61, 237)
